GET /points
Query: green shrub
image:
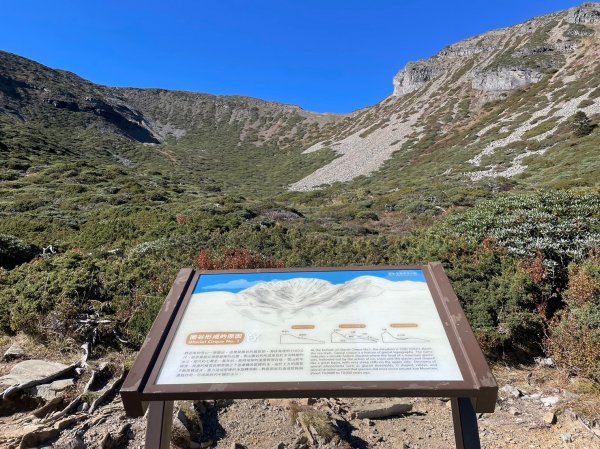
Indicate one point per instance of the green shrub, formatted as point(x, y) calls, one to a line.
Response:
point(540, 129)
point(14, 251)
point(574, 337)
point(367, 215)
point(581, 124)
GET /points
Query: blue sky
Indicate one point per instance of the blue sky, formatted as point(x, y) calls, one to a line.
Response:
point(237, 282)
point(323, 55)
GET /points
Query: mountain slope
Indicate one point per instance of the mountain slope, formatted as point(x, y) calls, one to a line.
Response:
point(492, 112)
point(49, 116)
point(477, 99)
point(30, 91)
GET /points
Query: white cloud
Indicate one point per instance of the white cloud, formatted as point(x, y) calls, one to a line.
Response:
point(232, 285)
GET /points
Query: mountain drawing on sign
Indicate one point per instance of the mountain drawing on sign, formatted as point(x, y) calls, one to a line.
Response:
point(275, 302)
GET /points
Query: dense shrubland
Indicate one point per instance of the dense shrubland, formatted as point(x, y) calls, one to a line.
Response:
point(525, 266)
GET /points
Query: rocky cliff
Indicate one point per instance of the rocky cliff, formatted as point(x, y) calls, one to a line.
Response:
point(434, 100)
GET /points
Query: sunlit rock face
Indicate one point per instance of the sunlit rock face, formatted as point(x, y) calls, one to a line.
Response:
point(587, 13)
point(415, 75)
point(505, 79)
point(463, 51)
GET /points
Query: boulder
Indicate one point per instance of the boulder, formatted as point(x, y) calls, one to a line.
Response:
point(75, 442)
point(51, 390)
point(509, 390)
point(37, 437)
point(187, 425)
point(13, 353)
point(381, 410)
point(32, 370)
point(550, 418)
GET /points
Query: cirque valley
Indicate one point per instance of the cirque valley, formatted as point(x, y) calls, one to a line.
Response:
point(484, 157)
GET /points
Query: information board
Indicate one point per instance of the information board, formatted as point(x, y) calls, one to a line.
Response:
point(317, 332)
point(351, 325)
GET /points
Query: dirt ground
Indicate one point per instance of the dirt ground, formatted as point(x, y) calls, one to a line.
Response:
point(538, 407)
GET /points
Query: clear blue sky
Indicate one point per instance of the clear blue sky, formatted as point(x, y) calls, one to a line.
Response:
point(237, 282)
point(323, 55)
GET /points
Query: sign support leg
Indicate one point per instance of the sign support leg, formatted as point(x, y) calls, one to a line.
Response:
point(466, 432)
point(159, 424)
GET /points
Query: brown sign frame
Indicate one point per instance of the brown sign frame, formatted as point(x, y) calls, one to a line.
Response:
point(478, 384)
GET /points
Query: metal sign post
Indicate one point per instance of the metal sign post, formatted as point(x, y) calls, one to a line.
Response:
point(315, 332)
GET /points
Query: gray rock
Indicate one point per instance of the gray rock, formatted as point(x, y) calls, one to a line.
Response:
point(187, 426)
point(579, 32)
point(463, 51)
point(415, 75)
point(180, 435)
point(13, 353)
point(31, 370)
point(186, 413)
point(513, 411)
point(569, 395)
point(587, 13)
point(69, 443)
point(108, 442)
point(36, 438)
point(533, 396)
point(566, 438)
point(51, 390)
point(550, 401)
point(381, 410)
point(544, 361)
point(509, 390)
point(504, 79)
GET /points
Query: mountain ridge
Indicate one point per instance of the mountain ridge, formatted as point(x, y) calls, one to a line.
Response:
point(447, 107)
point(483, 69)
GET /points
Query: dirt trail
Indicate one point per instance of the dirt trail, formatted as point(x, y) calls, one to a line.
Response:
point(534, 410)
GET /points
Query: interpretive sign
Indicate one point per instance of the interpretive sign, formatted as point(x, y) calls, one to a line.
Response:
point(368, 331)
point(310, 326)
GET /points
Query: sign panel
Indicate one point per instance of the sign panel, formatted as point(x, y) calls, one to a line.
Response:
point(367, 325)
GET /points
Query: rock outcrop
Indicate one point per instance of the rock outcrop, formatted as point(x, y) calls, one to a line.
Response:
point(434, 99)
point(463, 51)
point(587, 13)
point(415, 75)
point(504, 79)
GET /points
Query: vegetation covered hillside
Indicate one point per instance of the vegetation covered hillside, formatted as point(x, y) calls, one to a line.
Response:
point(485, 158)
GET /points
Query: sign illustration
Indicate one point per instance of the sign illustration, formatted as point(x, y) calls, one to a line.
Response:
point(352, 325)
